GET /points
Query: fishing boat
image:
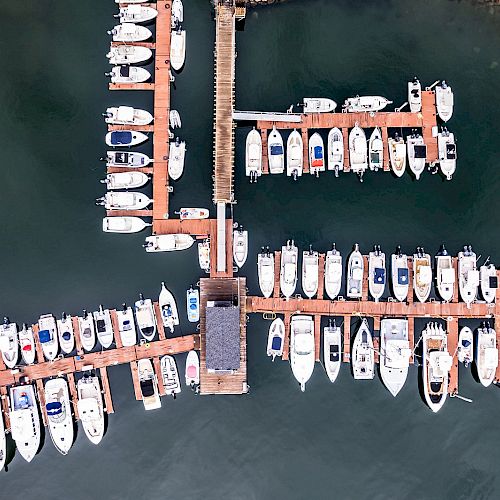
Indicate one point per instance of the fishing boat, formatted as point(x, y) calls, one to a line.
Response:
point(415, 95)
point(486, 357)
point(66, 334)
point(333, 272)
point(9, 343)
point(204, 255)
point(288, 270)
point(27, 345)
point(176, 159)
point(168, 308)
point(128, 74)
point(332, 350)
point(120, 138)
point(400, 274)
point(444, 101)
point(302, 348)
point(417, 154)
point(125, 180)
point(316, 154)
point(193, 213)
point(3, 443)
point(24, 420)
point(395, 353)
point(174, 119)
point(126, 160)
point(178, 48)
point(148, 384)
point(376, 150)
point(240, 246)
point(136, 14)
point(104, 327)
point(436, 366)
point(192, 372)
point(447, 150)
point(468, 275)
point(294, 155)
point(126, 326)
point(265, 267)
point(335, 150)
point(177, 13)
point(358, 151)
point(123, 225)
point(363, 355)
point(310, 272)
point(193, 305)
point(489, 282)
point(275, 152)
point(126, 115)
point(422, 274)
point(87, 330)
point(253, 155)
point(145, 317)
point(130, 200)
point(129, 54)
point(90, 407)
point(465, 346)
point(276, 338)
point(376, 273)
point(355, 268)
point(47, 335)
point(168, 242)
point(397, 154)
point(445, 274)
point(318, 105)
point(170, 375)
point(58, 409)
point(130, 32)
point(365, 103)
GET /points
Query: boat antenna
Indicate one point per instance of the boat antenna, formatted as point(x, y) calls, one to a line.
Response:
point(85, 313)
point(124, 306)
point(141, 297)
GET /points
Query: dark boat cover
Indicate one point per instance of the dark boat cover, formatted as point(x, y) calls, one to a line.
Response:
point(420, 151)
point(124, 71)
point(121, 137)
point(403, 276)
point(276, 344)
point(277, 150)
point(379, 275)
point(121, 158)
point(44, 336)
point(53, 408)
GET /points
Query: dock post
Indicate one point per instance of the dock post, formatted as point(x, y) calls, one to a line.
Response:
point(159, 321)
point(221, 238)
point(286, 343)
point(321, 276)
point(38, 346)
point(411, 337)
point(74, 394)
point(157, 367)
point(345, 136)
point(347, 339)
point(108, 401)
point(135, 380)
point(5, 406)
point(116, 329)
point(265, 159)
point(317, 337)
point(452, 335)
point(76, 331)
point(305, 143)
point(41, 399)
point(277, 269)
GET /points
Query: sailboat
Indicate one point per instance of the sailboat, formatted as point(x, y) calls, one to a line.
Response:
point(265, 267)
point(400, 274)
point(355, 268)
point(468, 275)
point(168, 242)
point(488, 281)
point(129, 54)
point(47, 335)
point(125, 180)
point(126, 326)
point(170, 375)
point(397, 154)
point(318, 105)
point(126, 115)
point(333, 272)
point(368, 103)
point(66, 334)
point(123, 224)
point(27, 345)
point(465, 346)
point(335, 150)
point(363, 357)
point(9, 343)
point(288, 270)
point(240, 246)
point(253, 155)
point(376, 273)
point(316, 154)
point(126, 159)
point(87, 330)
point(486, 354)
point(445, 274)
point(276, 338)
point(294, 155)
point(176, 157)
point(136, 14)
point(415, 95)
point(178, 48)
point(275, 152)
point(129, 200)
point(130, 32)
point(193, 305)
point(332, 350)
point(358, 151)
point(310, 272)
point(447, 150)
point(444, 101)
point(148, 384)
point(302, 349)
point(104, 327)
point(192, 372)
point(376, 150)
point(417, 154)
point(168, 308)
point(422, 274)
point(128, 74)
point(90, 407)
point(145, 317)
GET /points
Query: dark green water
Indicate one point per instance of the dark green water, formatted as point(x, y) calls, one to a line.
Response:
point(348, 440)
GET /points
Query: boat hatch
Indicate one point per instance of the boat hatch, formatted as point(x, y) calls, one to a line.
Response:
point(147, 388)
point(101, 325)
point(493, 282)
point(45, 336)
point(403, 276)
point(364, 338)
point(122, 158)
point(66, 336)
point(121, 137)
point(435, 386)
point(379, 276)
point(318, 152)
point(148, 330)
point(125, 71)
point(450, 152)
point(334, 353)
point(54, 408)
point(375, 157)
point(276, 344)
point(276, 149)
point(420, 151)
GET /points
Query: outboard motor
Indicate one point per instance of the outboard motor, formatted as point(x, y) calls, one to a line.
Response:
point(295, 174)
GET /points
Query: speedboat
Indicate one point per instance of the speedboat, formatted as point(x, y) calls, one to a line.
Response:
point(192, 372)
point(136, 14)
point(204, 255)
point(417, 154)
point(253, 155)
point(395, 353)
point(265, 267)
point(486, 354)
point(120, 138)
point(335, 150)
point(333, 272)
point(125, 180)
point(376, 273)
point(178, 49)
point(124, 225)
point(365, 103)
point(397, 154)
point(422, 274)
point(302, 351)
point(176, 159)
point(130, 200)
point(168, 242)
point(193, 213)
point(240, 246)
point(465, 346)
point(47, 334)
point(24, 420)
point(90, 407)
point(104, 327)
point(310, 272)
point(468, 275)
point(3, 443)
point(128, 74)
point(358, 151)
point(130, 32)
point(445, 274)
point(436, 365)
point(27, 345)
point(58, 408)
point(87, 330)
point(174, 119)
point(400, 275)
point(129, 54)
point(145, 317)
point(316, 154)
point(148, 384)
point(177, 13)
point(363, 357)
point(193, 305)
point(444, 101)
point(376, 150)
point(332, 350)
point(447, 153)
point(9, 343)
point(127, 160)
point(126, 326)
point(319, 105)
point(415, 95)
point(288, 271)
point(355, 268)
point(276, 338)
point(276, 153)
point(294, 155)
point(126, 115)
point(170, 375)
point(489, 282)
point(66, 334)
point(168, 308)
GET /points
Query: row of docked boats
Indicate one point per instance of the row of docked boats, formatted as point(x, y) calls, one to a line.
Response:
point(470, 278)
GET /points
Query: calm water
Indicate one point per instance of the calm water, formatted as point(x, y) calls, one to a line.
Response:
point(348, 440)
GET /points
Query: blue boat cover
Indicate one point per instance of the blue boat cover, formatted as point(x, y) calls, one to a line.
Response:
point(66, 336)
point(276, 344)
point(193, 300)
point(24, 401)
point(403, 276)
point(54, 408)
point(121, 137)
point(466, 343)
point(379, 275)
point(193, 306)
point(318, 152)
point(277, 150)
point(44, 336)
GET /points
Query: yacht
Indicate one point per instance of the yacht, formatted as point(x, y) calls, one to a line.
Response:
point(276, 338)
point(465, 346)
point(316, 154)
point(253, 155)
point(318, 105)
point(444, 101)
point(486, 354)
point(332, 350)
point(90, 407)
point(145, 317)
point(288, 271)
point(445, 274)
point(126, 115)
point(130, 32)
point(376, 150)
point(302, 352)
point(129, 200)
point(136, 14)
point(376, 273)
point(397, 154)
point(123, 224)
point(9, 343)
point(204, 255)
point(125, 180)
point(192, 372)
point(358, 151)
point(363, 355)
point(193, 305)
point(168, 242)
point(177, 13)
point(294, 155)
point(66, 334)
point(126, 160)
point(369, 103)
point(168, 308)
point(47, 334)
point(400, 275)
point(265, 266)
point(178, 48)
point(170, 375)
point(87, 330)
point(121, 138)
point(415, 95)
point(176, 157)
point(333, 272)
point(126, 326)
point(310, 272)
point(129, 54)
point(104, 327)
point(447, 153)
point(335, 150)
point(422, 274)
point(468, 275)
point(355, 268)
point(128, 74)
point(193, 213)
point(27, 345)
point(275, 152)
point(489, 282)
point(148, 384)
point(417, 154)
point(240, 246)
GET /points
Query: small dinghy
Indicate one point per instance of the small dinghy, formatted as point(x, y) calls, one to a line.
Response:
point(174, 119)
point(66, 334)
point(276, 338)
point(177, 13)
point(302, 351)
point(27, 345)
point(193, 305)
point(58, 408)
point(400, 274)
point(128, 74)
point(486, 354)
point(178, 49)
point(332, 350)
point(9, 343)
point(136, 14)
point(3, 443)
point(124, 225)
point(310, 272)
point(365, 103)
point(168, 242)
point(355, 268)
point(376, 150)
point(318, 105)
point(146, 318)
point(90, 407)
point(415, 95)
point(87, 330)
point(465, 346)
point(468, 275)
point(240, 246)
point(265, 267)
point(119, 138)
point(422, 274)
point(489, 282)
point(253, 155)
point(126, 115)
point(417, 154)
point(176, 159)
point(335, 150)
point(444, 101)
point(333, 272)
point(204, 255)
point(168, 308)
point(363, 355)
point(376, 273)
point(104, 327)
point(148, 384)
point(294, 155)
point(170, 375)
point(130, 32)
point(129, 54)
point(125, 180)
point(275, 152)
point(397, 154)
point(288, 270)
point(126, 326)
point(47, 334)
point(193, 213)
point(192, 372)
point(126, 160)
point(445, 274)
point(447, 153)
point(124, 201)
point(316, 155)
point(358, 151)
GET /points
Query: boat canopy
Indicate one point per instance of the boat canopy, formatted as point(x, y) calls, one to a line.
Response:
point(491, 358)
point(276, 149)
point(101, 325)
point(403, 276)
point(125, 114)
point(276, 343)
point(54, 408)
point(448, 276)
point(451, 153)
point(27, 347)
point(122, 158)
point(318, 152)
point(191, 371)
point(125, 71)
point(424, 275)
point(440, 363)
point(420, 151)
point(334, 353)
point(379, 275)
point(147, 388)
point(304, 343)
point(121, 137)
point(493, 282)
point(45, 336)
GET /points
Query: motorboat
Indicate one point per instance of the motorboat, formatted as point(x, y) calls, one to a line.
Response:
point(400, 275)
point(376, 273)
point(9, 343)
point(126, 160)
point(66, 334)
point(170, 375)
point(47, 335)
point(302, 350)
point(178, 49)
point(332, 350)
point(136, 14)
point(465, 346)
point(444, 101)
point(177, 13)
point(148, 384)
point(265, 267)
point(333, 272)
point(489, 282)
point(415, 95)
point(358, 151)
point(124, 225)
point(174, 119)
point(204, 255)
point(192, 372)
point(145, 317)
point(363, 354)
point(129, 54)
point(310, 272)
point(90, 407)
point(126, 115)
point(437, 363)
point(376, 150)
point(294, 155)
point(397, 154)
point(447, 150)
point(126, 326)
point(288, 269)
point(486, 354)
point(318, 105)
point(369, 103)
point(422, 274)
point(128, 74)
point(58, 409)
point(87, 330)
point(120, 138)
point(355, 269)
point(27, 345)
point(104, 327)
point(24, 420)
point(130, 200)
point(316, 154)
point(335, 150)
point(275, 152)
point(240, 246)
point(176, 159)
point(417, 154)
point(130, 32)
point(3, 443)
point(131, 1)
point(276, 338)
point(125, 180)
point(445, 274)
point(193, 213)
point(193, 305)
point(468, 275)
point(395, 353)
point(253, 155)
point(168, 242)
point(168, 308)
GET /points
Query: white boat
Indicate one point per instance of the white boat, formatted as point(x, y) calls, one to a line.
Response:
point(9, 343)
point(136, 14)
point(204, 255)
point(335, 150)
point(302, 352)
point(465, 346)
point(129, 32)
point(174, 119)
point(66, 334)
point(128, 74)
point(87, 330)
point(395, 353)
point(332, 351)
point(24, 420)
point(397, 154)
point(129, 200)
point(27, 345)
point(365, 103)
point(193, 213)
point(294, 155)
point(288, 270)
point(170, 375)
point(358, 151)
point(193, 305)
point(417, 154)
point(168, 308)
point(149, 385)
point(436, 366)
point(489, 282)
point(168, 242)
point(376, 273)
point(176, 158)
point(120, 138)
point(275, 152)
point(415, 95)
point(177, 13)
point(355, 269)
point(125, 180)
point(124, 225)
point(3, 443)
point(253, 155)
point(333, 272)
point(126, 115)
point(131, 1)
point(486, 355)
point(447, 150)
point(422, 274)
point(376, 150)
point(316, 154)
point(145, 317)
point(468, 275)
point(363, 355)
point(265, 267)
point(192, 372)
point(319, 105)
point(276, 338)
point(129, 54)
point(310, 272)
point(47, 335)
point(104, 327)
point(444, 101)
point(126, 326)
point(400, 274)
point(445, 274)
point(178, 49)
point(58, 408)
point(90, 407)
point(126, 160)
point(240, 246)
